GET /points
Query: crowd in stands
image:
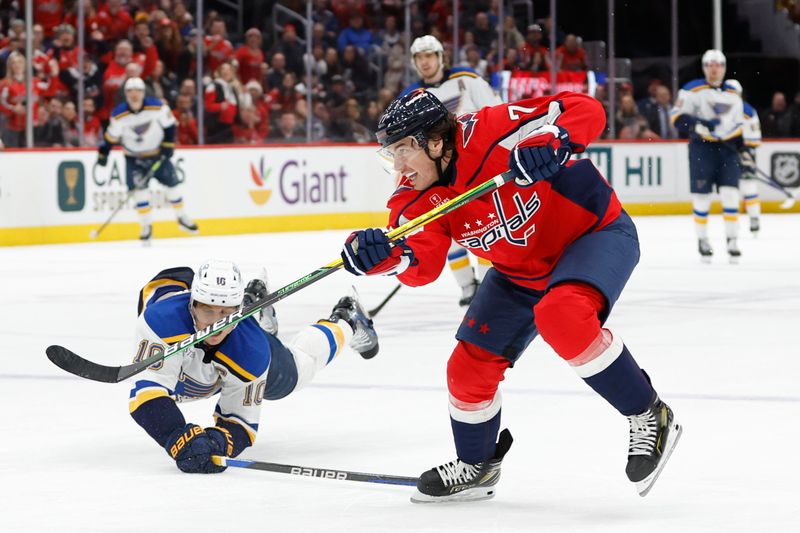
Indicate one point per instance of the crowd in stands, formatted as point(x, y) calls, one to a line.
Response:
point(254, 87)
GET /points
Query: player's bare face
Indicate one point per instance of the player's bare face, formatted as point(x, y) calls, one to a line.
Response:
point(135, 98)
point(411, 161)
point(428, 65)
point(205, 315)
point(714, 72)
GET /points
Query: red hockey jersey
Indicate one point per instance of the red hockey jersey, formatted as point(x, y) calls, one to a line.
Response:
point(522, 230)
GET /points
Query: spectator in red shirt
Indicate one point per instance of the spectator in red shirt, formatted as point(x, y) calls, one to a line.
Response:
point(114, 76)
point(187, 123)
point(218, 49)
point(538, 54)
point(261, 106)
point(143, 46)
point(250, 56)
point(120, 21)
point(246, 130)
point(48, 14)
point(285, 97)
point(12, 100)
point(571, 55)
point(91, 124)
point(222, 98)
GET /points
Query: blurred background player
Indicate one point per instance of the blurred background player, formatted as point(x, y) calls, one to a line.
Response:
point(562, 250)
point(145, 127)
point(747, 157)
point(243, 364)
point(710, 111)
point(461, 90)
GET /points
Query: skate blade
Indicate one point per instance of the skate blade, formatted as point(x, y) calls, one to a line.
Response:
point(469, 495)
point(644, 486)
point(705, 259)
point(188, 230)
point(733, 260)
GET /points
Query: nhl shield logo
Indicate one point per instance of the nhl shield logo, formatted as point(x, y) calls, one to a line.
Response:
point(786, 168)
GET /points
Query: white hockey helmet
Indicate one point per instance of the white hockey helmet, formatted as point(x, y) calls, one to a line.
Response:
point(134, 84)
point(713, 56)
point(218, 282)
point(427, 43)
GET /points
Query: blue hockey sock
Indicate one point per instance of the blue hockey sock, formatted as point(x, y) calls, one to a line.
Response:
point(476, 442)
point(622, 383)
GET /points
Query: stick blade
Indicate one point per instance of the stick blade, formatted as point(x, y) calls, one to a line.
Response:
point(788, 203)
point(75, 364)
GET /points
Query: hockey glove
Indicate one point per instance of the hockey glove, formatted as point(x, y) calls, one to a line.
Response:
point(167, 152)
point(747, 159)
point(368, 253)
point(102, 159)
point(540, 156)
point(192, 448)
point(710, 124)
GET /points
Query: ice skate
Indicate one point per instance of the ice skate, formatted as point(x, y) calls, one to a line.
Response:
point(146, 234)
point(187, 225)
point(257, 289)
point(468, 293)
point(733, 251)
point(653, 435)
point(365, 339)
point(755, 226)
point(458, 481)
point(706, 252)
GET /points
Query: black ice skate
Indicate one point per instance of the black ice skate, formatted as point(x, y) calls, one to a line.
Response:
point(653, 435)
point(468, 293)
point(146, 234)
point(188, 225)
point(733, 250)
point(755, 226)
point(365, 339)
point(706, 252)
point(458, 481)
point(256, 290)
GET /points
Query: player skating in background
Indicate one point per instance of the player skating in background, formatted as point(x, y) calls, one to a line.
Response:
point(243, 364)
point(461, 90)
point(562, 250)
point(145, 127)
point(710, 111)
point(747, 157)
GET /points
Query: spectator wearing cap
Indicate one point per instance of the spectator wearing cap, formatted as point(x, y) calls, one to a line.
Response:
point(218, 49)
point(222, 98)
point(120, 20)
point(250, 56)
point(533, 41)
point(169, 46)
point(571, 55)
point(186, 133)
point(291, 49)
point(356, 35)
point(48, 14)
point(256, 98)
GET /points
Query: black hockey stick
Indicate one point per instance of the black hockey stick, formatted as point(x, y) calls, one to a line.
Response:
point(326, 473)
point(153, 169)
point(75, 364)
point(766, 179)
point(373, 312)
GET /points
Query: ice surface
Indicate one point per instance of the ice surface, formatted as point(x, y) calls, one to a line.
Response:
point(721, 342)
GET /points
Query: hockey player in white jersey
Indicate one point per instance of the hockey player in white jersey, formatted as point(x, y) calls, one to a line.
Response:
point(711, 112)
point(243, 364)
point(145, 127)
point(461, 90)
point(751, 132)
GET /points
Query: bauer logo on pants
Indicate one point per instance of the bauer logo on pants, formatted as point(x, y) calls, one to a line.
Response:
point(71, 186)
point(785, 168)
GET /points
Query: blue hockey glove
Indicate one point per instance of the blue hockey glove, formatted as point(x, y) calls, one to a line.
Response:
point(368, 252)
point(540, 156)
point(192, 448)
point(102, 159)
point(167, 152)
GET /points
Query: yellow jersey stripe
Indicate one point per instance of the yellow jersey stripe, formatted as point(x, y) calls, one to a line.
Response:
point(145, 396)
point(235, 367)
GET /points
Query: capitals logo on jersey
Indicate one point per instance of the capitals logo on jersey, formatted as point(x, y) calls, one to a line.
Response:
point(468, 122)
point(516, 228)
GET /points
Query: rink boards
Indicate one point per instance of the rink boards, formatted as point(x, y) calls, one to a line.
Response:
point(55, 196)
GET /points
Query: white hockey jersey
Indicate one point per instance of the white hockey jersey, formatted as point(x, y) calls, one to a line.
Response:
point(461, 91)
point(140, 133)
point(700, 100)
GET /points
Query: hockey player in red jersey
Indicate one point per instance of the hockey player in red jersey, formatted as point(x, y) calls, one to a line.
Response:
point(562, 249)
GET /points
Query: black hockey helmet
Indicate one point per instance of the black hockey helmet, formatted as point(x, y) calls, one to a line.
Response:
point(410, 115)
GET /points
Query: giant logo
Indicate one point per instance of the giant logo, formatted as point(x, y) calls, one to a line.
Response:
point(262, 193)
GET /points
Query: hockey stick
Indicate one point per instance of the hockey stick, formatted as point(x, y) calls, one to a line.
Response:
point(153, 169)
point(766, 179)
point(307, 471)
point(75, 364)
point(373, 312)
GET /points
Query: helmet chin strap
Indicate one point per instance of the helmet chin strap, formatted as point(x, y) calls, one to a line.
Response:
point(438, 163)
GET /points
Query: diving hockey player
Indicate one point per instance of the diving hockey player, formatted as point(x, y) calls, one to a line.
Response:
point(243, 364)
point(562, 250)
point(747, 157)
point(710, 111)
point(461, 90)
point(146, 129)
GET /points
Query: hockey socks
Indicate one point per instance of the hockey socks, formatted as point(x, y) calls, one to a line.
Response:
point(609, 368)
point(475, 443)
